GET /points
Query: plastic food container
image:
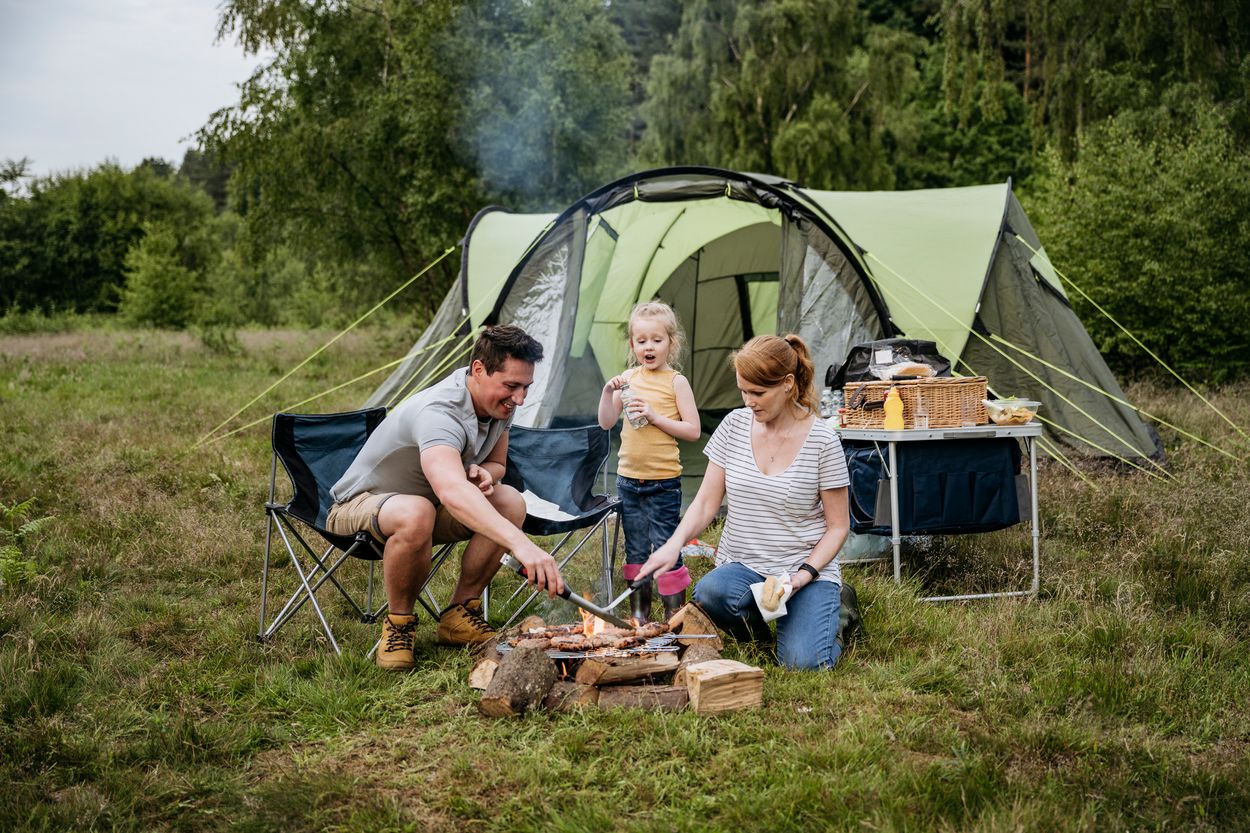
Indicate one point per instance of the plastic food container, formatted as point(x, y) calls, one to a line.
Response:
point(1010, 411)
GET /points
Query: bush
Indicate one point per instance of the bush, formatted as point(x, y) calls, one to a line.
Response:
point(1152, 220)
point(159, 290)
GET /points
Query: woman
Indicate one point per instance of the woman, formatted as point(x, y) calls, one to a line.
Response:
point(785, 476)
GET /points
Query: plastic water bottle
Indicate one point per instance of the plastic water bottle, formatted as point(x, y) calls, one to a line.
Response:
point(827, 408)
point(627, 396)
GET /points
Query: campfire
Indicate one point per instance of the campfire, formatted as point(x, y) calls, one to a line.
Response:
point(659, 665)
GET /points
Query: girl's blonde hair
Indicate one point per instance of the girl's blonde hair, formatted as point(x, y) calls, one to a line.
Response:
point(767, 360)
point(663, 313)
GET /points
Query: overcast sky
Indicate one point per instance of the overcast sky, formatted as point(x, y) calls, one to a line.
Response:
point(82, 81)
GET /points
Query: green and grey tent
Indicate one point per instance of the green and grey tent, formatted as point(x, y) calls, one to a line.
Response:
point(738, 255)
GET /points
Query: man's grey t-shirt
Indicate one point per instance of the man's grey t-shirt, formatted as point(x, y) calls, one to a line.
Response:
point(440, 415)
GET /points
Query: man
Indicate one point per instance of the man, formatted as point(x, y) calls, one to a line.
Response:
point(430, 474)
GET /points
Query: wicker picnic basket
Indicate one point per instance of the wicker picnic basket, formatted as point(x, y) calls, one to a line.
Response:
point(950, 400)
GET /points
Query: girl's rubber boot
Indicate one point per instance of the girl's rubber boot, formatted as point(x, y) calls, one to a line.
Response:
point(673, 602)
point(640, 603)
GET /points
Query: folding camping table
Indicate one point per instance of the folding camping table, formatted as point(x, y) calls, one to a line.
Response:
point(1027, 433)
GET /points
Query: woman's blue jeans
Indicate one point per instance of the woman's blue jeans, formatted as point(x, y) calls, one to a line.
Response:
point(806, 635)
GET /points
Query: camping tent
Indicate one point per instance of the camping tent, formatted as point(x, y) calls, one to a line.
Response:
point(738, 254)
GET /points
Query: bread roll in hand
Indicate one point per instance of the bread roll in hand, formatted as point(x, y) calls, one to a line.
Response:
point(771, 595)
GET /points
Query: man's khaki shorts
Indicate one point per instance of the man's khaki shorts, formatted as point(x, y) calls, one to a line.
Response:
point(360, 514)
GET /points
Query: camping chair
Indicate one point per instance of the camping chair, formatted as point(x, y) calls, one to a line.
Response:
point(556, 469)
point(315, 450)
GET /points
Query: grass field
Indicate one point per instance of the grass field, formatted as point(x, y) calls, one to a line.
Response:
point(133, 695)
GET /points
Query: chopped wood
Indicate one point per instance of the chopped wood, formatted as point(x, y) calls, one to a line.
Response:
point(605, 670)
point(482, 673)
point(723, 685)
point(490, 648)
point(664, 698)
point(691, 619)
point(520, 683)
point(531, 623)
point(697, 650)
point(566, 696)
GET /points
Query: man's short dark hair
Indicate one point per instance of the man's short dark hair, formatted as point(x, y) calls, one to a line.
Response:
point(496, 344)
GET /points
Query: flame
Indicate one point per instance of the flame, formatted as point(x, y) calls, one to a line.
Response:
point(592, 624)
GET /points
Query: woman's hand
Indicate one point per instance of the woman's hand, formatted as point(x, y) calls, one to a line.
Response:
point(800, 579)
point(661, 561)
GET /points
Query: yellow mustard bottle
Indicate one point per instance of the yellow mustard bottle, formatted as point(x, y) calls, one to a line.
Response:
point(894, 411)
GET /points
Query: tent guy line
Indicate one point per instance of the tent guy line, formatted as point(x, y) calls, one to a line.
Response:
point(323, 347)
point(1165, 473)
point(1136, 340)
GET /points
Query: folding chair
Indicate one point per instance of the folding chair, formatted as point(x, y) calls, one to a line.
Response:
point(315, 450)
point(556, 469)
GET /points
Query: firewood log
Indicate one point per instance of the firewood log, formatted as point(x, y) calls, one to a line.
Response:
point(521, 682)
point(665, 698)
point(568, 696)
point(723, 685)
point(606, 670)
point(482, 673)
point(531, 623)
point(698, 650)
point(692, 619)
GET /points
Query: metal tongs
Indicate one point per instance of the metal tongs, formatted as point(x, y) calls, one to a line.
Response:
point(590, 607)
point(629, 591)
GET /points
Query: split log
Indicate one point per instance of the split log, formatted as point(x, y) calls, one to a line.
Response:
point(567, 696)
point(723, 685)
point(691, 619)
point(697, 650)
point(606, 670)
point(482, 673)
point(531, 623)
point(521, 682)
point(664, 698)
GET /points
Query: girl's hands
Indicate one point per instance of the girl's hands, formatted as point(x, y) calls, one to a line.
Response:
point(640, 407)
point(615, 383)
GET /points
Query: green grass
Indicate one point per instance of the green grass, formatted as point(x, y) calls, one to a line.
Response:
point(133, 695)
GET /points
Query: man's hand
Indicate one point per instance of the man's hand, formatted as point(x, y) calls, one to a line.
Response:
point(540, 569)
point(481, 478)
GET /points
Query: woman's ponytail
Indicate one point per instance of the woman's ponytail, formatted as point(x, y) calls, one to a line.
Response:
point(804, 374)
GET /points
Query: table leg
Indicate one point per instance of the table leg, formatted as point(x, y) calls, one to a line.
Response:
point(895, 540)
point(1037, 561)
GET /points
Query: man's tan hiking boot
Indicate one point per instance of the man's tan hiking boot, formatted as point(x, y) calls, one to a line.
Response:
point(463, 625)
point(395, 650)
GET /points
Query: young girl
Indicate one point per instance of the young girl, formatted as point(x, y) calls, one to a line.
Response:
point(649, 475)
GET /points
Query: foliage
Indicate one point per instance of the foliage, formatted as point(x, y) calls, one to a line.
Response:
point(801, 88)
point(134, 696)
point(159, 289)
point(65, 244)
point(380, 128)
point(1076, 62)
point(546, 98)
point(16, 526)
point(1152, 220)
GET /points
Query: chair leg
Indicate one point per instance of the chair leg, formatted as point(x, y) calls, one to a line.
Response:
point(309, 592)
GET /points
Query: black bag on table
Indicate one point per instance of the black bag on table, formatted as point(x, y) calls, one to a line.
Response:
point(859, 360)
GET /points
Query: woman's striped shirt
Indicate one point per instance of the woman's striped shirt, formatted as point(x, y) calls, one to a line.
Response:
point(774, 521)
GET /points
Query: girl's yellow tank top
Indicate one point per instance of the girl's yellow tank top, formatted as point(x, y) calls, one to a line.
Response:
point(647, 453)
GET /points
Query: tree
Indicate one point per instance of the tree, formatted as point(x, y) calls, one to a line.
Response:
point(802, 88)
point(65, 242)
point(1076, 62)
point(341, 146)
point(547, 99)
point(159, 289)
point(1155, 230)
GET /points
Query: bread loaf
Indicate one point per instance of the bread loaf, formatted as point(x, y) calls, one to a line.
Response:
point(771, 595)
